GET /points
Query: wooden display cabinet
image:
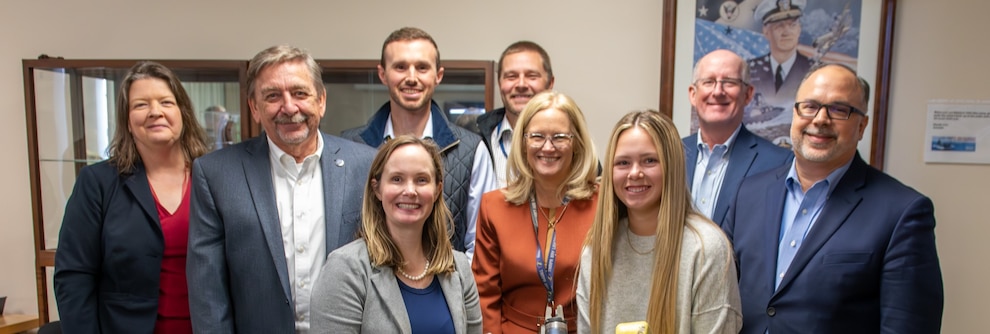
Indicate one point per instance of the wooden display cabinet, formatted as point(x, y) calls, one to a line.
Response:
point(70, 109)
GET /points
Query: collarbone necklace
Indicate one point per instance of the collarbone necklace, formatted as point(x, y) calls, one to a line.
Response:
point(629, 237)
point(417, 277)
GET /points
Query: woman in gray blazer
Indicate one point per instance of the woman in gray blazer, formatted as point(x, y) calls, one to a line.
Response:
point(402, 275)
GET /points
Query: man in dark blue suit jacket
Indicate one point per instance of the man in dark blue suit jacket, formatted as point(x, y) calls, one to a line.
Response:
point(723, 146)
point(265, 213)
point(829, 244)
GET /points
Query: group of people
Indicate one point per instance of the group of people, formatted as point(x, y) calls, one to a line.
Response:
point(411, 224)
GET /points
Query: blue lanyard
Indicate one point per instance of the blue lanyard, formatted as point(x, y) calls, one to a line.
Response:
point(544, 272)
point(498, 131)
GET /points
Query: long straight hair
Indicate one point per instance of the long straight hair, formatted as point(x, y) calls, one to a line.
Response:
point(381, 248)
point(675, 208)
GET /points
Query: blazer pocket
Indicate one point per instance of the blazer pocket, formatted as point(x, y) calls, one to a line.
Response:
point(847, 258)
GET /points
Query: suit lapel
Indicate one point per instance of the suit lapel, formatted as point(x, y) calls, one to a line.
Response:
point(384, 282)
point(137, 184)
point(450, 283)
point(740, 160)
point(690, 157)
point(838, 206)
point(772, 216)
point(333, 176)
point(258, 173)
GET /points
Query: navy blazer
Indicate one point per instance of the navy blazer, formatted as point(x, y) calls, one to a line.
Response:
point(236, 267)
point(762, 77)
point(109, 254)
point(868, 264)
point(750, 155)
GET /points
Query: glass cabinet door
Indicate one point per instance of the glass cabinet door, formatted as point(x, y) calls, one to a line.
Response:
point(354, 92)
point(71, 113)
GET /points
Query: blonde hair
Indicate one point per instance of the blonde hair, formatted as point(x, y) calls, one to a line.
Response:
point(675, 208)
point(580, 182)
point(381, 248)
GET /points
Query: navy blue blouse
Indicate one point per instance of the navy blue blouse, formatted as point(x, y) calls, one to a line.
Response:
point(427, 308)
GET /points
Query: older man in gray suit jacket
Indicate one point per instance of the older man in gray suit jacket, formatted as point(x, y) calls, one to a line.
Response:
point(266, 212)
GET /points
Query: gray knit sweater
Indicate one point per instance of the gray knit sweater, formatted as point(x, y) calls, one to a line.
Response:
point(707, 289)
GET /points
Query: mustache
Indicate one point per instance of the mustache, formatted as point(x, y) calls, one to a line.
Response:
point(285, 119)
point(821, 132)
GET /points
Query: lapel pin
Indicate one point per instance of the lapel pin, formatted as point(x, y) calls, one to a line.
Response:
point(339, 163)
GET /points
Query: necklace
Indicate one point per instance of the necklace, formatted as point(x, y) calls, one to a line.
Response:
point(552, 221)
point(417, 277)
point(629, 241)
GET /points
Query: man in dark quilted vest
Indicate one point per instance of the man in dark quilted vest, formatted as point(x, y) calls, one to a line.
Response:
point(410, 70)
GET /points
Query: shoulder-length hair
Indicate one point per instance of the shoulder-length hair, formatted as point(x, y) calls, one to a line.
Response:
point(580, 182)
point(675, 208)
point(436, 243)
point(123, 151)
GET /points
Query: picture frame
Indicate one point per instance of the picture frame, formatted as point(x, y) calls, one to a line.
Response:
point(873, 63)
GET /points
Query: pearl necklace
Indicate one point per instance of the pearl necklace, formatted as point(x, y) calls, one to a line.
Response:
point(417, 277)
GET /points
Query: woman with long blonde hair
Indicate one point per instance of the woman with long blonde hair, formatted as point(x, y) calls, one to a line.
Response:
point(648, 239)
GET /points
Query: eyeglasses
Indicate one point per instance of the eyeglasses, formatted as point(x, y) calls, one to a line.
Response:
point(841, 111)
point(727, 83)
point(557, 140)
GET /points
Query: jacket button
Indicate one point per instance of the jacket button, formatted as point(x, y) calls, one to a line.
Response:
point(771, 311)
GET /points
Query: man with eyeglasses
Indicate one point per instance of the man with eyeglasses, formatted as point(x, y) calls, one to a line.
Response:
point(828, 244)
point(777, 74)
point(723, 151)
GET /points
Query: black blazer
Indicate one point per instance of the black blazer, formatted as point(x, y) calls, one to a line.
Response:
point(109, 254)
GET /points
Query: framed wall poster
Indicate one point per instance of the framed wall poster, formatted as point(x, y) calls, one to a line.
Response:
point(857, 33)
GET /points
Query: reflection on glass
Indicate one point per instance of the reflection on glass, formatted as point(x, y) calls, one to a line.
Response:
point(354, 95)
point(75, 111)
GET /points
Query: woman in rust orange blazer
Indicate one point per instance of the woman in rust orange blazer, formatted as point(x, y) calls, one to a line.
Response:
point(529, 234)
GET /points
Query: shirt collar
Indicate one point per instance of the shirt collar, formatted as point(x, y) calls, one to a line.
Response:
point(505, 126)
point(728, 142)
point(793, 184)
point(427, 131)
point(277, 154)
point(785, 66)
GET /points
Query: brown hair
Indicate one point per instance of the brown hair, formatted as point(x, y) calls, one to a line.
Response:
point(409, 34)
point(436, 243)
point(522, 46)
point(123, 150)
point(283, 54)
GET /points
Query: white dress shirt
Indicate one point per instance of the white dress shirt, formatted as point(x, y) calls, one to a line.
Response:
point(501, 139)
point(299, 197)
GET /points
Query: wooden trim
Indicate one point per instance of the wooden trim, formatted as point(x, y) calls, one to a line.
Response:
point(881, 94)
point(487, 66)
point(668, 43)
point(36, 203)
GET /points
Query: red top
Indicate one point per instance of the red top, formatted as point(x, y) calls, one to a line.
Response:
point(173, 293)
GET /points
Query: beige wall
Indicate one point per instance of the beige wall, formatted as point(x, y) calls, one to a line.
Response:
point(604, 55)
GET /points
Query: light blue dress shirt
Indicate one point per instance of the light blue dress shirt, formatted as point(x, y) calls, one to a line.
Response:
point(801, 210)
point(709, 172)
